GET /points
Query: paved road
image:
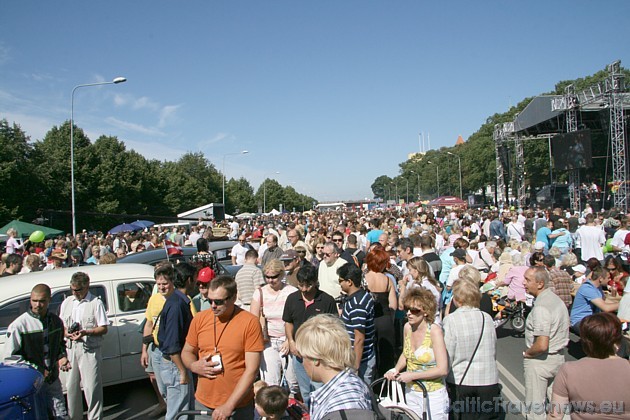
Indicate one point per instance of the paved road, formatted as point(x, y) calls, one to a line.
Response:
point(135, 400)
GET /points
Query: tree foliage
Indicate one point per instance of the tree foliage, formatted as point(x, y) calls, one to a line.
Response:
point(113, 184)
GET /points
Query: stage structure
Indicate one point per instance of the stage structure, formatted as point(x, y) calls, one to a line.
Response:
point(549, 115)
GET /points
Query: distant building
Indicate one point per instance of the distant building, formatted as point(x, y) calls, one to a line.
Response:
point(459, 141)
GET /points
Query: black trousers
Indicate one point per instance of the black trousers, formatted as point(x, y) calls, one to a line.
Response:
point(475, 402)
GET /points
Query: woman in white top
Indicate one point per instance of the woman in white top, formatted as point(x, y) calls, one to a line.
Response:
point(274, 295)
point(421, 276)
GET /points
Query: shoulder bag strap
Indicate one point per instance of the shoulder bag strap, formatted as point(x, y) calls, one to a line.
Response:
point(483, 324)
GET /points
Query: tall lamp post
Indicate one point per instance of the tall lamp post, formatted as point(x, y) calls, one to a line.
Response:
point(437, 176)
point(417, 173)
point(242, 152)
point(407, 198)
point(459, 161)
point(113, 82)
point(265, 193)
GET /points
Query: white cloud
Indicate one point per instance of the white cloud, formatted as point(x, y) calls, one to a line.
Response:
point(137, 128)
point(217, 138)
point(5, 55)
point(34, 127)
point(145, 103)
point(168, 113)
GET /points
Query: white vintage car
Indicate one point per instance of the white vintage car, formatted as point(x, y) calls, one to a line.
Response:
point(124, 289)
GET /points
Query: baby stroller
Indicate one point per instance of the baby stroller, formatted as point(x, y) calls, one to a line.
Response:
point(391, 400)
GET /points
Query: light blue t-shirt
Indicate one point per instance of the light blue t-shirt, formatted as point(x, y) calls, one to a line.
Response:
point(542, 236)
point(582, 306)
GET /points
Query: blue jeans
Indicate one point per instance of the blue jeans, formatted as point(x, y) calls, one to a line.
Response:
point(366, 369)
point(178, 397)
point(306, 385)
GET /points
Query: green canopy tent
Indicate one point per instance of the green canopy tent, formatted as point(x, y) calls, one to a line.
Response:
point(24, 229)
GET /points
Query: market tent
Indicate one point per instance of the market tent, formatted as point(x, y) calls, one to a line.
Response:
point(24, 229)
point(447, 200)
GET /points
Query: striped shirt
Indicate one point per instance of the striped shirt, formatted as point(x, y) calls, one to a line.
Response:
point(345, 391)
point(358, 314)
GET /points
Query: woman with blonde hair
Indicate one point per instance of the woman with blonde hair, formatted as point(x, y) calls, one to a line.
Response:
point(421, 276)
point(424, 356)
point(324, 345)
point(270, 300)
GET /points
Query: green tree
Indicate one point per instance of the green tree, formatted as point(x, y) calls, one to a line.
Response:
point(239, 194)
point(18, 181)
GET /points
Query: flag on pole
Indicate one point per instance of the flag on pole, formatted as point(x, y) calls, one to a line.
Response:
point(172, 248)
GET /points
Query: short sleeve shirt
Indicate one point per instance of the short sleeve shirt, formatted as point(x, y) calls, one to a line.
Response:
point(241, 334)
point(549, 318)
point(582, 306)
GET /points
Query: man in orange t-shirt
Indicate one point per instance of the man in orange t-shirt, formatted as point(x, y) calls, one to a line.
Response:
point(224, 347)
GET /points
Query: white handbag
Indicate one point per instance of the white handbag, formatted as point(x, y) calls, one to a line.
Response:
point(392, 396)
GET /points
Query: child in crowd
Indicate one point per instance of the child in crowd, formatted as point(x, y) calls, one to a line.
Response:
point(271, 401)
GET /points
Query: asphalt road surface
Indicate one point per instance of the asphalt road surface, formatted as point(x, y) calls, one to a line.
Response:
point(136, 399)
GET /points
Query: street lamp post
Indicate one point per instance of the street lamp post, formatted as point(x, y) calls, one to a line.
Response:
point(265, 193)
point(242, 152)
point(417, 173)
point(72, 211)
point(459, 161)
point(437, 176)
point(407, 199)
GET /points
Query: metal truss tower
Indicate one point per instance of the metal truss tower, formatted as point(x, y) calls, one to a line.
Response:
point(614, 86)
point(519, 172)
point(572, 106)
point(501, 136)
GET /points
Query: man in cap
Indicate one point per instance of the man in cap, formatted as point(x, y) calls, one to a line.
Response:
point(205, 276)
point(76, 258)
point(459, 257)
point(291, 265)
point(56, 260)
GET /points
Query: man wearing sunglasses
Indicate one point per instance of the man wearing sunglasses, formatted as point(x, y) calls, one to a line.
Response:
point(223, 347)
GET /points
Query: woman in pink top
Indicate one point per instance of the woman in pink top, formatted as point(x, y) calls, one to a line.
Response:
point(274, 295)
point(514, 279)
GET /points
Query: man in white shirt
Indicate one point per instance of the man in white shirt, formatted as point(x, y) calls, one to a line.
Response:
point(327, 274)
point(591, 239)
point(618, 241)
point(239, 250)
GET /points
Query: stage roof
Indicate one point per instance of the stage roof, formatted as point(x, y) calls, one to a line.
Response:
point(539, 117)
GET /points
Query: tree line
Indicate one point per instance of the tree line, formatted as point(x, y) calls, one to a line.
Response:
point(420, 173)
point(115, 185)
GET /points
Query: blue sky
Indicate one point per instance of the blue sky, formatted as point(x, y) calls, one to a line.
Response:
point(331, 94)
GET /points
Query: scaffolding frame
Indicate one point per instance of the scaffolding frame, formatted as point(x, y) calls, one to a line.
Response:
point(611, 94)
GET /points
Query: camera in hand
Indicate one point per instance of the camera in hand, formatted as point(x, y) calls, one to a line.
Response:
point(75, 327)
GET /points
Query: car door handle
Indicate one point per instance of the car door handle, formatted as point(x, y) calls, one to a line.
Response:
point(127, 320)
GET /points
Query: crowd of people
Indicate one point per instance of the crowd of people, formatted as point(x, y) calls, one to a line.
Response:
point(326, 303)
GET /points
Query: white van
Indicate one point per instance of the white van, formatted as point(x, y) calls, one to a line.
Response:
point(124, 289)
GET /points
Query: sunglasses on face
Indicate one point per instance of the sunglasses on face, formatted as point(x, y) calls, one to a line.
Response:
point(272, 277)
point(328, 254)
point(338, 240)
point(319, 247)
point(218, 302)
point(202, 285)
point(77, 290)
point(414, 311)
